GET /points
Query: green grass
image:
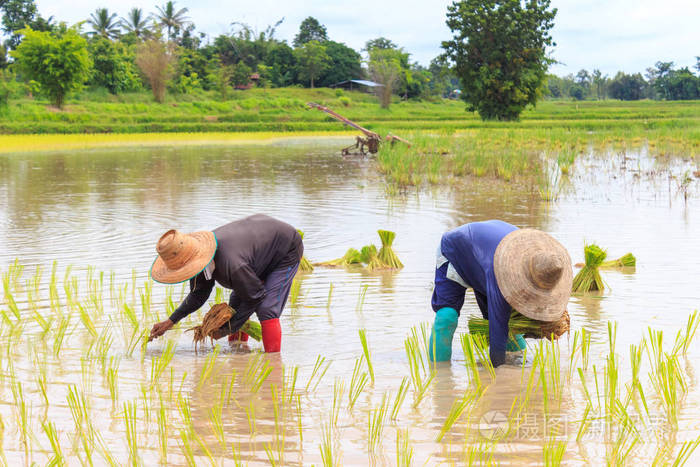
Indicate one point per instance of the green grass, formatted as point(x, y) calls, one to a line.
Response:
point(285, 109)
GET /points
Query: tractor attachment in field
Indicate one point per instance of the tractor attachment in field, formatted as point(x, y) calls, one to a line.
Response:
point(370, 141)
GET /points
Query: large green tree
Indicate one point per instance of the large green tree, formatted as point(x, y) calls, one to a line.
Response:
point(113, 66)
point(312, 60)
point(310, 30)
point(344, 63)
point(136, 23)
point(58, 61)
point(627, 87)
point(16, 14)
point(658, 78)
point(104, 24)
point(499, 51)
point(683, 85)
point(172, 19)
point(283, 65)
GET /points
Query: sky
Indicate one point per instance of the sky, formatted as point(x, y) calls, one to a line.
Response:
point(610, 35)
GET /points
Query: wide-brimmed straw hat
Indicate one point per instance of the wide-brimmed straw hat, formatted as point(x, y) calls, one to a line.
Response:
point(182, 256)
point(533, 271)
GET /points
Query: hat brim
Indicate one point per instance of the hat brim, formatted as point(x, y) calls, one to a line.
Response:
point(206, 248)
point(510, 265)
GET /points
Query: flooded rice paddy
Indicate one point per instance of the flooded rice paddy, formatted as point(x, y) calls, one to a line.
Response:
point(78, 384)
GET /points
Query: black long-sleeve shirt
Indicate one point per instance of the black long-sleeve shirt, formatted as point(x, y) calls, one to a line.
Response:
point(247, 251)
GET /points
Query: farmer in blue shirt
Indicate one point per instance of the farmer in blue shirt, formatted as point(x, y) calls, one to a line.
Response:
point(508, 268)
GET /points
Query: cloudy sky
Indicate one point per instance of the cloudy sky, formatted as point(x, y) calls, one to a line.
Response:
point(611, 35)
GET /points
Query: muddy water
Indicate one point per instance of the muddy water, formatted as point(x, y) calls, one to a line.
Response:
point(107, 208)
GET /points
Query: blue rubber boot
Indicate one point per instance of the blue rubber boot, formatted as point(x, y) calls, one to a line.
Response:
point(516, 344)
point(440, 346)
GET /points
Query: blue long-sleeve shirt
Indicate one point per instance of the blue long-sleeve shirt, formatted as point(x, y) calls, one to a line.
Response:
point(468, 251)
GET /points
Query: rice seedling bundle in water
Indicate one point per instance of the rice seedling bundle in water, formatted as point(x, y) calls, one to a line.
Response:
point(387, 256)
point(626, 261)
point(217, 316)
point(304, 265)
point(370, 257)
point(519, 324)
point(588, 278)
point(352, 256)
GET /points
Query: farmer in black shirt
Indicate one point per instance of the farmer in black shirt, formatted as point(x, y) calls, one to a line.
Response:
point(256, 257)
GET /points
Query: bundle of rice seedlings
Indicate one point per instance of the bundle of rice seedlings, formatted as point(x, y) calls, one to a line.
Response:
point(352, 256)
point(626, 261)
point(217, 316)
point(304, 265)
point(519, 324)
point(253, 329)
point(386, 254)
point(588, 278)
point(370, 257)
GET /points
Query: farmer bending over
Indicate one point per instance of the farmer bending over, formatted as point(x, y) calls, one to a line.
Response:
point(256, 257)
point(507, 267)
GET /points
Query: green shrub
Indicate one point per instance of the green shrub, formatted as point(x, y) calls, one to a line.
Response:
point(7, 87)
point(345, 101)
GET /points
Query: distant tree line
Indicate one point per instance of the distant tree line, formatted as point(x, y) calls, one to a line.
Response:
point(162, 51)
point(497, 57)
point(662, 81)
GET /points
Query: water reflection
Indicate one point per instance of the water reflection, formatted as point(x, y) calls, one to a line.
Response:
point(107, 208)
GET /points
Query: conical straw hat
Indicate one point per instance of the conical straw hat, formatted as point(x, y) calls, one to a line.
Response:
point(534, 273)
point(182, 256)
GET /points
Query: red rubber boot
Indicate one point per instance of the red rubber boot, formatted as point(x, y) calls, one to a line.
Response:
point(271, 335)
point(238, 336)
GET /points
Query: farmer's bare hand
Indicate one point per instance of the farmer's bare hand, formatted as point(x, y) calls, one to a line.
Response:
point(160, 328)
point(219, 333)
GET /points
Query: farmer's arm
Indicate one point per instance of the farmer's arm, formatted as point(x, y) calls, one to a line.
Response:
point(200, 289)
point(498, 315)
point(483, 304)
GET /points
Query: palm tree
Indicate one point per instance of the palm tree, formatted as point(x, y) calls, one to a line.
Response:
point(171, 19)
point(104, 24)
point(135, 22)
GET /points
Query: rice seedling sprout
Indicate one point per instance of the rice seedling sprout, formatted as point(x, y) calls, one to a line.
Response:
point(400, 396)
point(131, 439)
point(404, 450)
point(304, 265)
point(357, 384)
point(361, 298)
point(375, 424)
point(366, 353)
point(320, 368)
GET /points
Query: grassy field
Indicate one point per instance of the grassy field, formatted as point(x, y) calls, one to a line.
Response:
point(284, 110)
point(536, 156)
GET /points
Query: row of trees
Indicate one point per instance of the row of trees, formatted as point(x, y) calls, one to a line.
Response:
point(164, 52)
point(499, 53)
point(662, 81)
